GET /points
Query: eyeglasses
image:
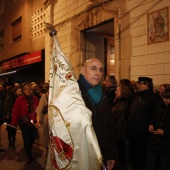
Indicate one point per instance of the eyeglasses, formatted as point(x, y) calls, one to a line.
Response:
point(141, 83)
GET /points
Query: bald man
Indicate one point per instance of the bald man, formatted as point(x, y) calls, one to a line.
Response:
point(95, 100)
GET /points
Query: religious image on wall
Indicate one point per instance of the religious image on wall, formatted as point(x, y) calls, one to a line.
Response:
point(158, 26)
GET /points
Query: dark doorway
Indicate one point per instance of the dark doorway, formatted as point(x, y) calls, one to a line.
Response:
point(96, 42)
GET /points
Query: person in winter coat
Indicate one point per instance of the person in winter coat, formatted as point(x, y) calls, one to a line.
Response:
point(98, 103)
point(9, 103)
point(140, 114)
point(24, 115)
point(159, 143)
point(120, 111)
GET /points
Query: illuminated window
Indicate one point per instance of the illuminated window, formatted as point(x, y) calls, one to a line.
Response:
point(17, 29)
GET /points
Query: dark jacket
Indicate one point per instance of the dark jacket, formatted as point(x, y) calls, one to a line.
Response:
point(110, 93)
point(141, 112)
point(102, 120)
point(120, 111)
point(161, 120)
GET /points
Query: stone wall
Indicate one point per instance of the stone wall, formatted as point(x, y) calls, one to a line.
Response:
point(72, 17)
point(134, 57)
point(150, 60)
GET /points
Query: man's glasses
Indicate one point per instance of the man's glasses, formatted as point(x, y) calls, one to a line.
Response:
point(141, 83)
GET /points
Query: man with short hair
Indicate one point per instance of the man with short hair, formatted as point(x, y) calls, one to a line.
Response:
point(95, 100)
point(140, 114)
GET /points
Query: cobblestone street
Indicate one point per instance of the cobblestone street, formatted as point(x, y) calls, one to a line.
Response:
point(16, 159)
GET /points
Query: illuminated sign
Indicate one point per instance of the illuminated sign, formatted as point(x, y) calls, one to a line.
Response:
point(22, 61)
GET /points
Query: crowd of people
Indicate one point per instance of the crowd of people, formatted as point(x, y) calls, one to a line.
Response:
point(141, 124)
point(130, 118)
point(21, 107)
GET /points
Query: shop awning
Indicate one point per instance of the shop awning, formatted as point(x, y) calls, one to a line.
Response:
point(8, 73)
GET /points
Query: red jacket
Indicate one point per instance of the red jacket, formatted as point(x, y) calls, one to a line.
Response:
point(20, 109)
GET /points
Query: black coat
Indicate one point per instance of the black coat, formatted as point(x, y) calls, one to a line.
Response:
point(110, 93)
point(161, 120)
point(120, 111)
point(140, 114)
point(102, 120)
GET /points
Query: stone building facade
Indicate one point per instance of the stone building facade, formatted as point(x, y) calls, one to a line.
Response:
point(152, 60)
point(125, 34)
point(132, 54)
point(22, 39)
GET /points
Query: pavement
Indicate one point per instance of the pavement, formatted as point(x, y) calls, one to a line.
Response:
point(16, 159)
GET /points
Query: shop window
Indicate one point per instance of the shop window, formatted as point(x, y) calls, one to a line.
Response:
point(17, 29)
point(1, 39)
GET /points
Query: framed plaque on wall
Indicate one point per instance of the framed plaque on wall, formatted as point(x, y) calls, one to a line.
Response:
point(158, 26)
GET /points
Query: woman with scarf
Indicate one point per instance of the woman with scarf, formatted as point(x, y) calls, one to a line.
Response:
point(24, 115)
point(98, 103)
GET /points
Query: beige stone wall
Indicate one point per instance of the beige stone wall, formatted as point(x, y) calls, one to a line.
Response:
point(123, 42)
point(134, 57)
point(17, 9)
point(14, 10)
point(147, 60)
point(71, 17)
point(63, 13)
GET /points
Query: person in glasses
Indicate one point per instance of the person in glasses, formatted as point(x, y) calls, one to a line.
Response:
point(140, 114)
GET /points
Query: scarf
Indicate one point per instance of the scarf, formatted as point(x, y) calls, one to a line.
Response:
point(94, 93)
